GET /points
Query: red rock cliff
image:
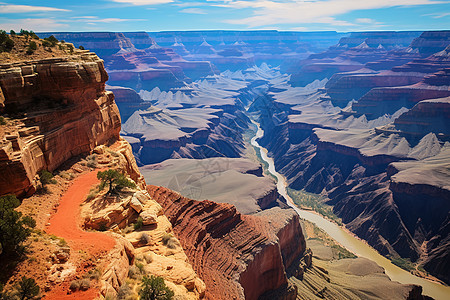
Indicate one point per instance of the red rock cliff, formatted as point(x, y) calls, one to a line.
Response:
point(236, 255)
point(60, 109)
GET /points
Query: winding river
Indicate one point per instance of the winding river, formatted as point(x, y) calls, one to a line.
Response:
point(347, 240)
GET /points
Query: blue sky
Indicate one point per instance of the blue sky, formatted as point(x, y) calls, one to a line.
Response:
point(158, 15)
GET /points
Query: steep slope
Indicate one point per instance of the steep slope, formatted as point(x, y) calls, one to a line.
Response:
point(236, 255)
point(60, 109)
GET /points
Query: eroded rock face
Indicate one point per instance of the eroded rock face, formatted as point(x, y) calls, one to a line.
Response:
point(66, 111)
point(238, 256)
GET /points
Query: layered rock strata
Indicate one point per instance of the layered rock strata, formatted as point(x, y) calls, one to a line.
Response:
point(238, 256)
point(64, 111)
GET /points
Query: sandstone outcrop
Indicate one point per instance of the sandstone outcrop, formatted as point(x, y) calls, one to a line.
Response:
point(144, 246)
point(236, 255)
point(65, 111)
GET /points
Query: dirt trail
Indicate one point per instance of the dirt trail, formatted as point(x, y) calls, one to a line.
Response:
point(66, 223)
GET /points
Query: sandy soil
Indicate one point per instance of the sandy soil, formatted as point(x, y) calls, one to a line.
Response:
point(66, 223)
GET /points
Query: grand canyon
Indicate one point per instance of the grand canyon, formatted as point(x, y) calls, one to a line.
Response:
point(225, 164)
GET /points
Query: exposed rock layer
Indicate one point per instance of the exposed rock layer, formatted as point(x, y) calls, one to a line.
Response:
point(67, 112)
point(236, 255)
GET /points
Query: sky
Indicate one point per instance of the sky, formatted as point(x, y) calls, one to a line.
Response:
point(162, 15)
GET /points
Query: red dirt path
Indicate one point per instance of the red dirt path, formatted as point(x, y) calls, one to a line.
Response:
point(66, 223)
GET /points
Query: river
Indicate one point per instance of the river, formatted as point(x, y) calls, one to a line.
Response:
point(347, 240)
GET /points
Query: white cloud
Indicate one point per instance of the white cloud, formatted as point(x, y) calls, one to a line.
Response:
point(37, 25)
point(438, 15)
point(193, 10)
point(187, 4)
point(94, 20)
point(270, 12)
point(13, 8)
point(144, 2)
point(365, 21)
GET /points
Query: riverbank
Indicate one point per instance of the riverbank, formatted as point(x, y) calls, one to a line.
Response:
point(348, 240)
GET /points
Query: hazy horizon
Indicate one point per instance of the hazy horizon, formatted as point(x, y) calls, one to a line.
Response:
point(173, 15)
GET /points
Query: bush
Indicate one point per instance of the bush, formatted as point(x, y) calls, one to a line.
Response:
point(12, 32)
point(124, 291)
point(14, 229)
point(140, 267)
point(85, 284)
point(81, 284)
point(6, 43)
point(46, 43)
point(139, 223)
point(166, 237)
point(70, 48)
point(2, 121)
point(154, 288)
point(81, 48)
point(53, 41)
point(32, 45)
point(27, 288)
point(75, 285)
point(46, 178)
point(133, 272)
point(144, 238)
point(115, 181)
point(91, 161)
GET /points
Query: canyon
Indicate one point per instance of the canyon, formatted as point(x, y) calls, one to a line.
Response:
point(359, 119)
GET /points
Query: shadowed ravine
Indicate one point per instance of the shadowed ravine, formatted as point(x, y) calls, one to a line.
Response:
point(347, 240)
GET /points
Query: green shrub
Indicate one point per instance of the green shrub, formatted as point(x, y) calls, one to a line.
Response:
point(46, 43)
point(81, 48)
point(53, 41)
point(27, 288)
point(12, 32)
point(32, 45)
point(6, 43)
point(46, 177)
point(140, 266)
point(14, 229)
point(139, 223)
point(115, 180)
point(154, 288)
point(2, 120)
point(91, 161)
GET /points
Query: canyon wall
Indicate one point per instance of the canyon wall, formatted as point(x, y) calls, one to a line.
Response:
point(380, 159)
point(236, 255)
point(64, 111)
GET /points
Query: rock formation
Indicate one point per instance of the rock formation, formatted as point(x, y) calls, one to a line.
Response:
point(144, 66)
point(236, 255)
point(65, 111)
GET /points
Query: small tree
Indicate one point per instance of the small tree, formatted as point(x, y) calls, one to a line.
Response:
point(32, 45)
point(14, 229)
point(52, 40)
point(154, 288)
point(115, 181)
point(46, 177)
point(6, 43)
point(27, 288)
point(12, 32)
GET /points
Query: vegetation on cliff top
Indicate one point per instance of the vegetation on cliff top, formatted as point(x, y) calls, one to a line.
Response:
point(115, 181)
point(154, 288)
